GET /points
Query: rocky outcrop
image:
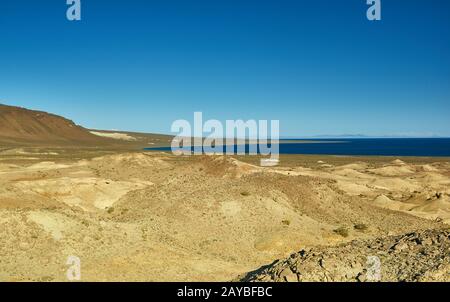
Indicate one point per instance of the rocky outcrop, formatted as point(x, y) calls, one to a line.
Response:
point(417, 256)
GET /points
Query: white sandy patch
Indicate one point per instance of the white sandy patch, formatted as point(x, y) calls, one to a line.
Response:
point(355, 166)
point(47, 165)
point(23, 152)
point(115, 135)
point(87, 193)
point(385, 202)
point(351, 173)
point(53, 223)
point(428, 209)
point(130, 160)
point(429, 168)
point(395, 185)
point(393, 170)
point(398, 162)
point(230, 208)
point(42, 166)
point(352, 188)
point(8, 167)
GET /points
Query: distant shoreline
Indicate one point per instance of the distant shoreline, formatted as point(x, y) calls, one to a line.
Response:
point(428, 147)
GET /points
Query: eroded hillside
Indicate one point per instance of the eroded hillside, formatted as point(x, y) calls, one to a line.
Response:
point(158, 217)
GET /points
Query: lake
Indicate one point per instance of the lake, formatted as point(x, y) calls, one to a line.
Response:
point(432, 147)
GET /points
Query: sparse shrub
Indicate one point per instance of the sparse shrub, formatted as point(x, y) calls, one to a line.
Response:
point(286, 222)
point(360, 227)
point(343, 231)
point(110, 210)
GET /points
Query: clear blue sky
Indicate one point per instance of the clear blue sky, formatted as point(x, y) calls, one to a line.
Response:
point(320, 67)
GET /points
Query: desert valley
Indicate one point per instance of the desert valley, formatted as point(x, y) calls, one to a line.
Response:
point(134, 215)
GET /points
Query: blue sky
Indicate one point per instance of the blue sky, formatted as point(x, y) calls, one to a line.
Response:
point(320, 67)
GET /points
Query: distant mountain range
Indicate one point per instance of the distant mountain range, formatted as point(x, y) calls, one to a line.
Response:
point(342, 136)
point(362, 136)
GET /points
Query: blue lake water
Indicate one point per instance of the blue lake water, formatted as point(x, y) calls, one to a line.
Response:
point(432, 147)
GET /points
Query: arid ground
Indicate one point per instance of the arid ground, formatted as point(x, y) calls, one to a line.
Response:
point(153, 216)
point(130, 215)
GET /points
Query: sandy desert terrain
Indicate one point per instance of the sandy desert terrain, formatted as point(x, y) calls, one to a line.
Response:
point(154, 216)
point(130, 215)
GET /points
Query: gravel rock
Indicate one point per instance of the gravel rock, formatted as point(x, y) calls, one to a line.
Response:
point(418, 256)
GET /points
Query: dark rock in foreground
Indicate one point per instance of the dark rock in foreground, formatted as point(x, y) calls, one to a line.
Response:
point(418, 256)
